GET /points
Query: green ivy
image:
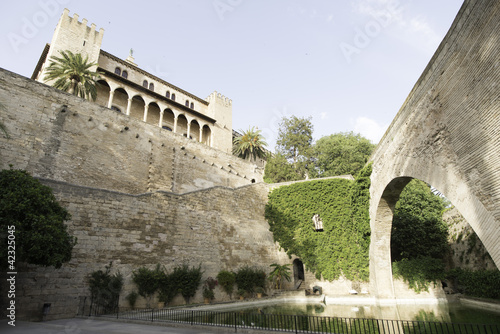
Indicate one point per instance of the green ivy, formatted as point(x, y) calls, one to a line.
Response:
point(479, 283)
point(419, 272)
point(343, 206)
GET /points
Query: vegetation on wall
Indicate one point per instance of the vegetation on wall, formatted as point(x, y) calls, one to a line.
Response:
point(342, 247)
point(31, 215)
point(418, 229)
point(419, 236)
point(479, 283)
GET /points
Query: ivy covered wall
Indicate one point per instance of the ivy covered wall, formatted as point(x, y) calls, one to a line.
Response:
point(342, 247)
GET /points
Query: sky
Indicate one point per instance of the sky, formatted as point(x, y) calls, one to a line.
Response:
point(348, 65)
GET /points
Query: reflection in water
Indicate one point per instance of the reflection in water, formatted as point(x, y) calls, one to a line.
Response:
point(442, 312)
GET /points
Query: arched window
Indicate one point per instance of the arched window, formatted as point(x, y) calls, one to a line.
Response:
point(151, 86)
point(145, 84)
point(118, 71)
point(125, 74)
point(166, 128)
point(192, 105)
point(167, 94)
point(187, 103)
point(115, 108)
point(173, 97)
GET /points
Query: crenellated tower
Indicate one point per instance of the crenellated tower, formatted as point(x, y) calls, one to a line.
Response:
point(221, 109)
point(75, 36)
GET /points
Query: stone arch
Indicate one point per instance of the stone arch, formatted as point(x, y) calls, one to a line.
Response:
point(298, 272)
point(206, 135)
point(153, 116)
point(120, 99)
point(103, 91)
point(380, 242)
point(182, 124)
point(137, 107)
point(195, 130)
point(168, 119)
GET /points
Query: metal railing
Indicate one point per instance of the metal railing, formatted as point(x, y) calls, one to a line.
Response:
point(292, 323)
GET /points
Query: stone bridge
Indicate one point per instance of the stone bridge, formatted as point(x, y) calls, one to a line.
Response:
point(447, 134)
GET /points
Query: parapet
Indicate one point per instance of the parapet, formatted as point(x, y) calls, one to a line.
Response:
point(218, 97)
point(80, 28)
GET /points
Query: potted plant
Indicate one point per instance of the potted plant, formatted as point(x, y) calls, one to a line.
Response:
point(259, 291)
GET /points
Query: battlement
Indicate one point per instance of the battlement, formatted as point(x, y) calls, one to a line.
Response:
point(75, 25)
point(215, 96)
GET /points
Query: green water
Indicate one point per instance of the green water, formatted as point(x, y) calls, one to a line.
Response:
point(455, 312)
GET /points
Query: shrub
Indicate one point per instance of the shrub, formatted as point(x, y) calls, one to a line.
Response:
point(105, 288)
point(249, 278)
point(226, 280)
point(147, 281)
point(132, 298)
point(186, 280)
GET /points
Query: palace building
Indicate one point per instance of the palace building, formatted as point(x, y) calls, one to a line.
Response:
point(126, 88)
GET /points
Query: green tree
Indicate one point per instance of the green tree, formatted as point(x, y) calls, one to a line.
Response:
point(418, 229)
point(278, 169)
point(250, 144)
point(30, 212)
point(341, 154)
point(73, 74)
point(280, 273)
point(293, 159)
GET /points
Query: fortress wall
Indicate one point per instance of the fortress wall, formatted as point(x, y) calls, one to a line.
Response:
point(58, 136)
point(219, 228)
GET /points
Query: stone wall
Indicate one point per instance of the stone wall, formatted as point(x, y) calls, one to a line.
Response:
point(467, 250)
point(219, 228)
point(58, 136)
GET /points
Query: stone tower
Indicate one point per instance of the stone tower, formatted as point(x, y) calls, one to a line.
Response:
point(75, 36)
point(221, 108)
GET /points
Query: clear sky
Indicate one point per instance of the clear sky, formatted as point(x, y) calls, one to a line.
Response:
point(348, 64)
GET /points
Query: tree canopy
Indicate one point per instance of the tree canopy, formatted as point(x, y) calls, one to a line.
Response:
point(298, 158)
point(73, 74)
point(341, 154)
point(32, 211)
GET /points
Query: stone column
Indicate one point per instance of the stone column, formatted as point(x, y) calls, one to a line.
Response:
point(188, 129)
point(110, 101)
point(129, 105)
point(175, 124)
point(161, 119)
point(146, 107)
point(201, 134)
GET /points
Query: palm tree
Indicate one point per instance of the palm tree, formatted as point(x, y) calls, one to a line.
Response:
point(279, 273)
point(72, 74)
point(251, 143)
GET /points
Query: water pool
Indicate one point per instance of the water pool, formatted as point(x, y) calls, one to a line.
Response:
point(454, 312)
